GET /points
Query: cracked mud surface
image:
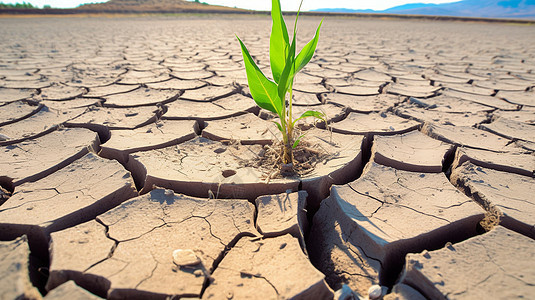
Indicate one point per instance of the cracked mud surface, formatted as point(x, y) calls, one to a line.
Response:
point(142, 234)
point(504, 259)
point(411, 151)
point(430, 129)
point(510, 193)
point(30, 160)
point(74, 194)
point(275, 268)
point(14, 264)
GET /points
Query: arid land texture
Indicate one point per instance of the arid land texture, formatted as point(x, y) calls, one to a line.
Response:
point(129, 153)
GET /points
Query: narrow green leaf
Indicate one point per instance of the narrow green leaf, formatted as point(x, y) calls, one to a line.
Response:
point(311, 113)
point(297, 17)
point(288, 72)
point(297, 141)
point(263, 90)
point(307, 52)
point(278, 41)
point(278, 125)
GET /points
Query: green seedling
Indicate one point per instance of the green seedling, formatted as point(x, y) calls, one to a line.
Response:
point(271, 95)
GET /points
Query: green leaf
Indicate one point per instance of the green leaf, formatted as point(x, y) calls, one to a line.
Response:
point(278, 41)
point(311, 113)
point(307, 52)
point(263, 90)
point(278, 125)
point(288, 73)
point(287, 76)
point(297, 141)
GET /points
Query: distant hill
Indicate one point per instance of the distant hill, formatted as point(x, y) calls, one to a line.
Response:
point(521, 9)
point(153, 6)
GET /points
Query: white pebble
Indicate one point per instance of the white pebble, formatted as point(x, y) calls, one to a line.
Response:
point(375, 292)
point(185, 257)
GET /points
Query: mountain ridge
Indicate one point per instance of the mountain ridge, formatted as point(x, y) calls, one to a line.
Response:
point(465, 8)
point(153, 5)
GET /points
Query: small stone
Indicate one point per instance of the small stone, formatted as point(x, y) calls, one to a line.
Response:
point(198, 273)
point(185, 257)
point(169, 193)
point(375, 292)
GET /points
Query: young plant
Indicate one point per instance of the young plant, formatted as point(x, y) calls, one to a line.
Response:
point(271, 95)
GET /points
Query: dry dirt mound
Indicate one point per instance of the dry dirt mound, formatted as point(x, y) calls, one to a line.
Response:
point(154, 6)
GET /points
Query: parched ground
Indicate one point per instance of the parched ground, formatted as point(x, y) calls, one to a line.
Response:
point(129, 148)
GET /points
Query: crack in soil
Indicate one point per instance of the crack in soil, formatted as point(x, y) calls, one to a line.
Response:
point(340, 273)
point(151, 273)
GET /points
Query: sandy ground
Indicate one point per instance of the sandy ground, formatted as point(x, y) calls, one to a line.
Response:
point(128, 149)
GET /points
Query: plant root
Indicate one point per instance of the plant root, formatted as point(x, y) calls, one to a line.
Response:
point(305, 158)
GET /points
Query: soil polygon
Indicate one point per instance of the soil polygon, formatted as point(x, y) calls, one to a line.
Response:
point(16, 111)
point(364, 104)
point(511, 162)
point(484, 100)
point(372, 75)
point(412, 90)
point(404, 292)
point(143, 77)
point(61, 92)
point(412, 151)
point(380, 201)
point(191, 75)
point(141, 97)
point(11, 95)
point(524, 115)
point(511, 129)
point(493, 265)
point(306, 99)
point(520, 98)
point(275, 268)
point(310, 88)
point(282, 214)
point(469, 89)
point(72, 103)
point(433, 115)
point(177, 84)
point(70, 290)
point(44, 121)
point(201, 166)
point(96, 118)
point(510, 193)
point(227, 107)
point(333, 252)
point(18, 162)
point(208, 93)
point(159, 135)
point(466, 136)
point(14, 265)
point(374, 124)
point(356, 90)
point(246, 129)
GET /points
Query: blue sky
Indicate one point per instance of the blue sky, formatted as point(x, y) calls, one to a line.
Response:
point(262, 4)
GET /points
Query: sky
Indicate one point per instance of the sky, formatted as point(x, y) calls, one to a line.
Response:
point(291, 5)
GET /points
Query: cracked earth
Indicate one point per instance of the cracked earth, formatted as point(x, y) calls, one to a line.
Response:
point(128, 151)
